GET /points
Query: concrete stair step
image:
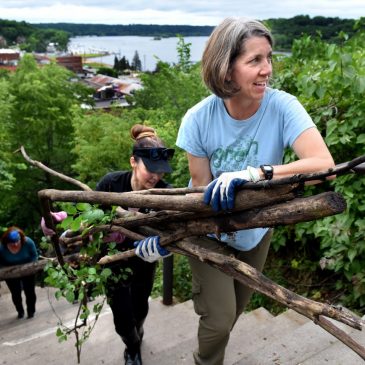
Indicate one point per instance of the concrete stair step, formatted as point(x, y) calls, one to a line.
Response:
point(168, 326)
point(181, 352)
point(260, 333)
point(258, 338)
point(290, 316)
point(49, 311)
point(251, 331)
point(293, 347)
point(339, 353)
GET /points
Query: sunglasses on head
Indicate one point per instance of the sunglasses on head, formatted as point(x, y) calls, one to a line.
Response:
point(154, 153)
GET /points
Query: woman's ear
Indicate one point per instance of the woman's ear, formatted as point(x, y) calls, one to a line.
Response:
point(133, 162)
point(228, 77)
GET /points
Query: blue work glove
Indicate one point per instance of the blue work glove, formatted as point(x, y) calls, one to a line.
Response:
point(220, 193)
point(150, 250)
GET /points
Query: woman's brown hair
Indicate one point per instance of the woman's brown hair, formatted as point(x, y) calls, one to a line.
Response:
point(145, 137)
point(224, 45)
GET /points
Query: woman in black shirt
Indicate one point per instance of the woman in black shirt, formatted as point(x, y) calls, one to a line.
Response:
point(128, 298)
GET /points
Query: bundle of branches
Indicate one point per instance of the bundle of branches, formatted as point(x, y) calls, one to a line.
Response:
point(182, 213)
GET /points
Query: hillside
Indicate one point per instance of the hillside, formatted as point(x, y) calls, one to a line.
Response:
point(146, 30)
point(35, 37)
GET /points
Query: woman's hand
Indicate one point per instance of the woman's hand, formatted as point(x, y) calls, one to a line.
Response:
point(220, 193)
point(150, 249)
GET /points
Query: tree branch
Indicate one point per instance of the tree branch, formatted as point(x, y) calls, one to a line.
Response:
point(254, 209)
point(54, 173)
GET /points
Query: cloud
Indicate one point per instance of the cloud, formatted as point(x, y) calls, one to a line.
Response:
point(198, 12)
point(107, 15)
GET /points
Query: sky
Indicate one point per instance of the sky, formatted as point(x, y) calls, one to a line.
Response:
point(173, 12)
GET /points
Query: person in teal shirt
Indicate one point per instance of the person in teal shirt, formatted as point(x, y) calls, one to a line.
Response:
point(18, 249)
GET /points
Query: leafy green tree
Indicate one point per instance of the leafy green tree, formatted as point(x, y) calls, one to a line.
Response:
point(43, 105)
point(329, 79)
point(102, 141)
point(170, 92)
point(108, 71)
point(121, 65)
point(5, 120)
point(30, 38)
point(102, 144)
point(7, 165)
point(136, 62)
point(124, 64)
point(183, 50)
point(116, 63)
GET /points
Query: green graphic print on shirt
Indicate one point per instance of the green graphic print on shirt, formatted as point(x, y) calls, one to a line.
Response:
point(234, 157)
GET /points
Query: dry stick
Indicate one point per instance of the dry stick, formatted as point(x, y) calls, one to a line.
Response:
point(244, 200)
point(356, 165)
point(297, 210)
point(47, 204)
point(353, 165)
point(46, 212)
point(17, 271)
point(257, 281)
point(52, 172)
point(309, 208)
point(194, 202)
point(294, 211)
point(341, 335)
point(186, 203)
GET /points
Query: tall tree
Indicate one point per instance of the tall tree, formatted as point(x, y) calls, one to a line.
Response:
point(124, 64)
point(329, 79)
point(136, 62)
point(183, 50)
point(6, 177)
point(43, 105)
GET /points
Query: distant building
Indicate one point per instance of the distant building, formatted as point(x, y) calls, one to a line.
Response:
point(9, 57)
point(111, 91)
point(107, 87)
point(73, 63)
point(52, 48)
point(41, 59)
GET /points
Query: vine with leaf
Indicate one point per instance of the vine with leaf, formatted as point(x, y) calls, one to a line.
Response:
point(85, 281)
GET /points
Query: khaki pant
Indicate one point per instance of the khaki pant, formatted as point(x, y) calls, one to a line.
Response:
point(219, 299)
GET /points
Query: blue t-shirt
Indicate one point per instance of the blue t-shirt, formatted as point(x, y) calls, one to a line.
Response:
point(207, 130)
point(28, 253)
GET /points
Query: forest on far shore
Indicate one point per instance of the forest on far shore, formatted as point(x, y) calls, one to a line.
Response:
point(285, 31)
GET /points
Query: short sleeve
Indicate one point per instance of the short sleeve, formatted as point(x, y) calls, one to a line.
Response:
point(189, 137)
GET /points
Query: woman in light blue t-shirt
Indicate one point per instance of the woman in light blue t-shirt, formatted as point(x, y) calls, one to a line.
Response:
point(239, 134)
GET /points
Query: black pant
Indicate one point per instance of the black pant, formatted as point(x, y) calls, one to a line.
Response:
point(27, 283)
point(128, 300)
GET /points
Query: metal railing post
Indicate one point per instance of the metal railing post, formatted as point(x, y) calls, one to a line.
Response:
point(168, 278)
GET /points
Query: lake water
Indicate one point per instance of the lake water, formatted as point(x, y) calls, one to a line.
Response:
point(148, 48)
